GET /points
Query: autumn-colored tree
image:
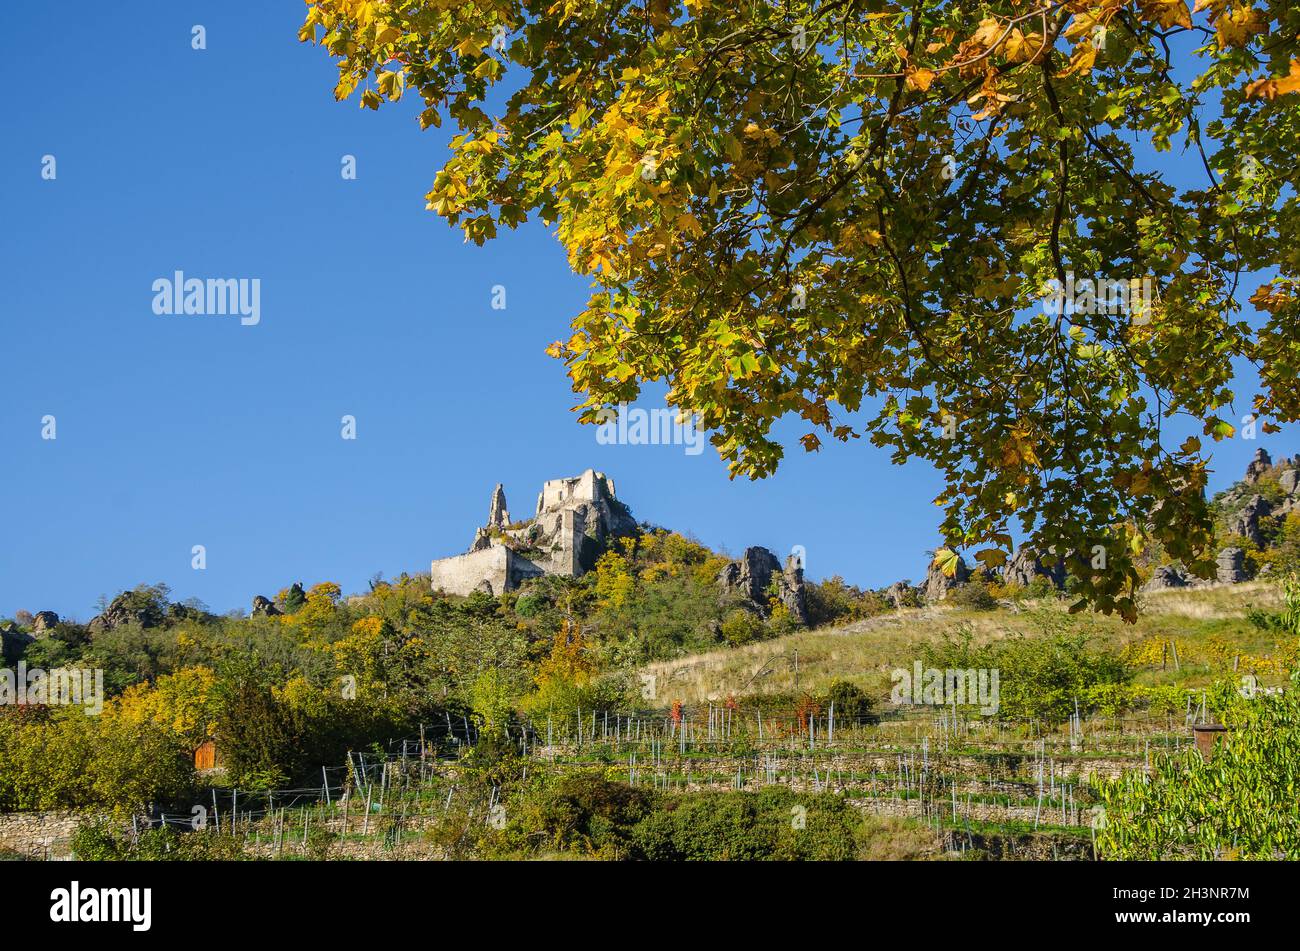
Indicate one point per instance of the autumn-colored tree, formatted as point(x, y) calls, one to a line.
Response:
point(184, 703)
point(922, 221)
point(614, 581)
point(564, 674)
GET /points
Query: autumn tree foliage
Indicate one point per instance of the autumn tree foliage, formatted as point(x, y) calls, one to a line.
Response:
point(858, 213)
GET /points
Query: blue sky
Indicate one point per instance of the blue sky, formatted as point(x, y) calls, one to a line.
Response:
point(175, 431)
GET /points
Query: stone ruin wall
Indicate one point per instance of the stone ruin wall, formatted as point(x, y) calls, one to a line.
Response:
point(463, 574)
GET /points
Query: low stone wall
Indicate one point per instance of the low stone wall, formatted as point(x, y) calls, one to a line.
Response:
point(39, 834)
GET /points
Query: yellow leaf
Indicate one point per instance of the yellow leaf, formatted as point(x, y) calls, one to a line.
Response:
point(1166, 12)
point(919, 79)
point(1238, 26)
point(1019, 48)
point(989, 32)
point(946, 560)
point(688, 224)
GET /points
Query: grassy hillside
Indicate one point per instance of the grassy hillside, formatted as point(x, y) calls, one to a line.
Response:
point(1211, 628)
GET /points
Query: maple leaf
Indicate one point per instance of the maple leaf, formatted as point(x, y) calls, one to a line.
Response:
point(1081, 60)
point(1166, 12)
point(1272, 88)
point(919, 79)
point(946, 560)
point(1022, 48)
point(1239, 26)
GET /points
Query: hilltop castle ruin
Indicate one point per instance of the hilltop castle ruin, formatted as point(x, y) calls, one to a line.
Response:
point(574, 521)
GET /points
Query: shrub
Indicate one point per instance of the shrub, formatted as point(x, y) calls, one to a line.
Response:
point(1040, 677)
point(850, 700)
point(974, 594)
point(741, 627)
point(772, 824)
point(585, 812)
point(832, 601)
point(66, 760)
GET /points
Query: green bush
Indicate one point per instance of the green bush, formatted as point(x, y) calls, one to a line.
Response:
point(1041, 676)
point(851, 701)
point(741, 627)
point(974, 594)
point(772, 824)
point(590, 814)
point(63, 759)
point(833, 601)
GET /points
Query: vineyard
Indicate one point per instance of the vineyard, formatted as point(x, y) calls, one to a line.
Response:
point(1176, 737)
point(978, 788)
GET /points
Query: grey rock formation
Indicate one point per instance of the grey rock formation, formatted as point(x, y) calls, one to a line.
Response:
point(751, 578)
point(793, 593)
point(1024, 567)
point(1246, 522)
point(938, 585)
point(123, 610)
point(44, 621)
point(498, 517)
point(264, 607)
point(1164, 578)
point(1232, 566)
point(1289, 481)
point(902, 595)
point(1257, 467)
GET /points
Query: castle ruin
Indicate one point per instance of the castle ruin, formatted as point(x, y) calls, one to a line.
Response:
point(574, 521)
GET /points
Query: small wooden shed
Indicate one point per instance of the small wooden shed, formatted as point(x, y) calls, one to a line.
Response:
point(205, 757)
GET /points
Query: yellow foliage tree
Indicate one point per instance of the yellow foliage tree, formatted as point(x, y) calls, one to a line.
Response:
point(182, 702)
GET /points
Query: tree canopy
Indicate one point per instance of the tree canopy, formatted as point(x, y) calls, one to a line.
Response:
point(929, 222)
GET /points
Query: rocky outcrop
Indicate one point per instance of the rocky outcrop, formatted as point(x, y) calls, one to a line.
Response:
point(126, 608)
point(1257, 467)
point(44, 621)
point(1289, 480)
point(1246, 521)
point(751, 578)
point(792, 591)
point(1164, 578)
point(265, 607)
point(938, 585)
point(1232, 566)
point(902, 595)
point(1024, 567)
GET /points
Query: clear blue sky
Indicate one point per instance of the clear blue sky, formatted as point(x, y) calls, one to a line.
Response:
point(176, 431)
